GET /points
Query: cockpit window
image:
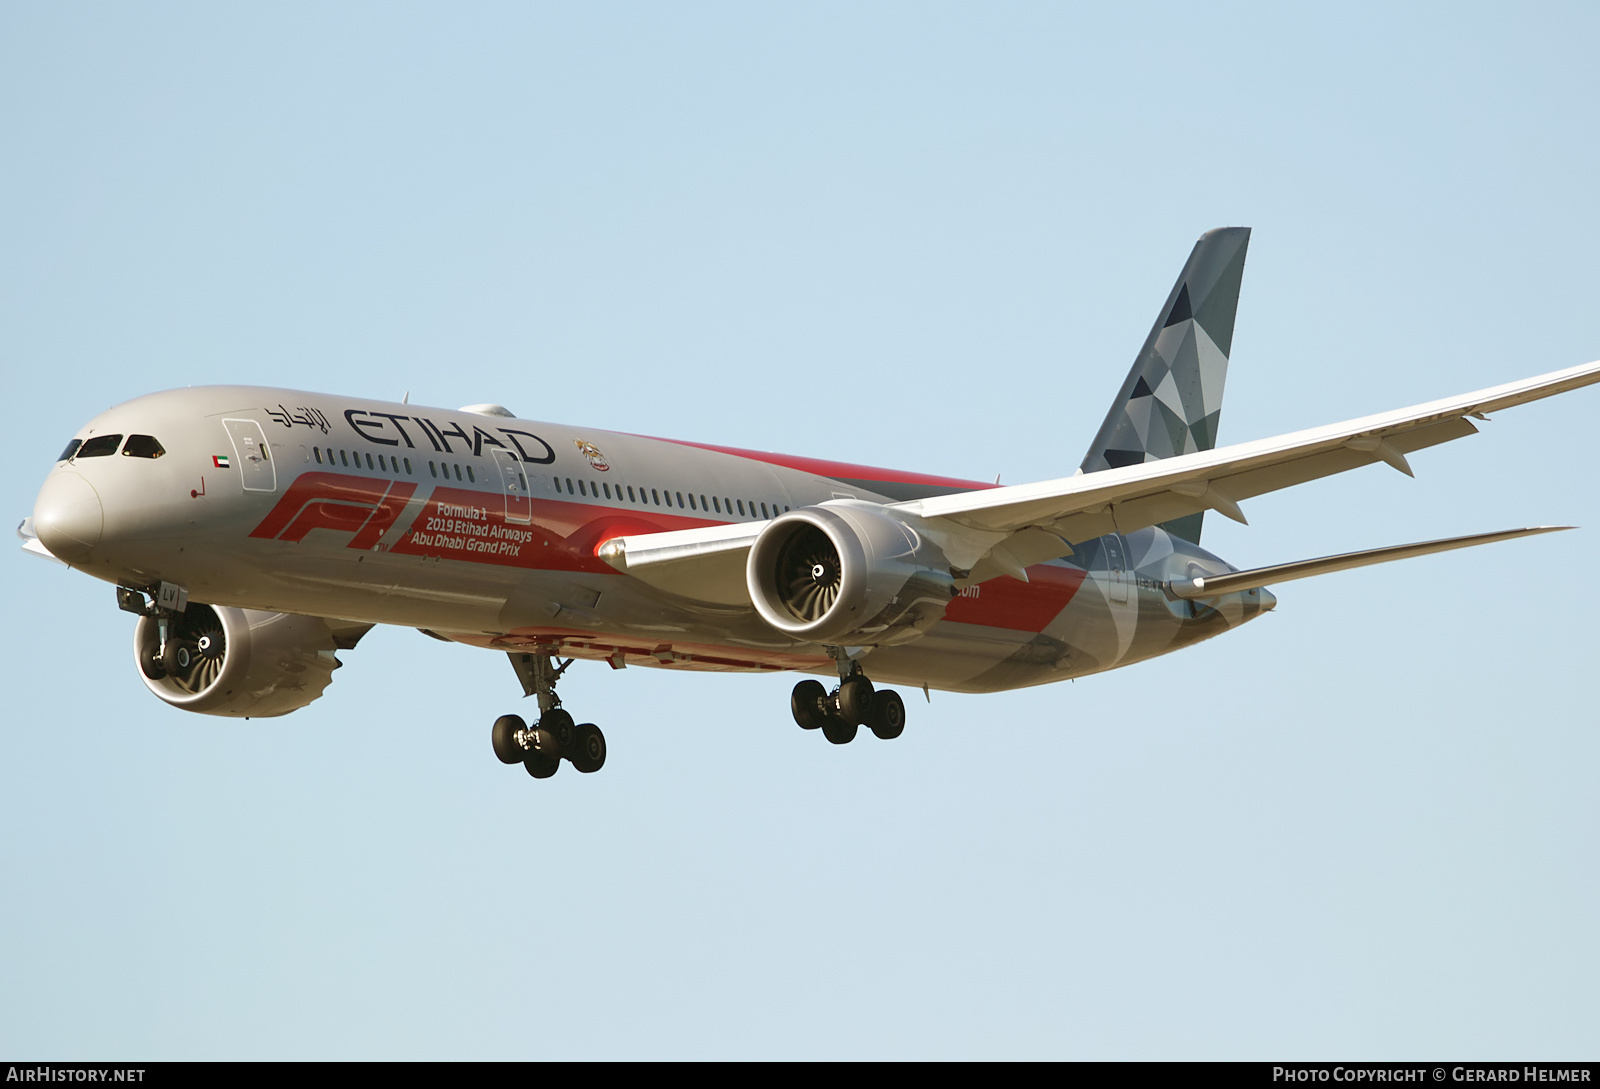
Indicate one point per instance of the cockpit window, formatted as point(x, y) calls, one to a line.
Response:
point(72, 448)
point(100, 446)
point(142, 446)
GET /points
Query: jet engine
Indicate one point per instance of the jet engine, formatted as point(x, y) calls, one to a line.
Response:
point(242, 663)
point(848, 573)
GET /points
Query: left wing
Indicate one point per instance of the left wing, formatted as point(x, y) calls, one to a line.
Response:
point(705, 564)
point(1004, 530)
point(1080, 508)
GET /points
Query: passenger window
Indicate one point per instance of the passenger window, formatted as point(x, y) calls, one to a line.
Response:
point(680, 500)
point(607, 488)
point(470, 477)
point(408, 466)
point(691, 501)
point(100, 446)
point(741, 508)
point(458, 472)
point(655, 497)
point(764, 510)
point(72, 448)
point(343, 460)
point(703, 505)
point(142, 446)
point(433, 470)
point(317, 450)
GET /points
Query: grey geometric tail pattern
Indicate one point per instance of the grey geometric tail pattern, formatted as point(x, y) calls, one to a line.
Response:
point(1172, 398)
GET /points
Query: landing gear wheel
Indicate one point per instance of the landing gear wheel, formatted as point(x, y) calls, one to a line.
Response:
point(561, 727)
point(541, 766)
point(888, 718)
point(855, 700)
point(840, 733)
point(504, 736)
point(178, 657)
point(806, 704)
point(589, 748)
point(150, 663)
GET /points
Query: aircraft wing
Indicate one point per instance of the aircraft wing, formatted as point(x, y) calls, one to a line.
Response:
point(1079, 508)
point(1004, 530)
point(705, 564)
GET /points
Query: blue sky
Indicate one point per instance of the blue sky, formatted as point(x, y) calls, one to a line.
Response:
point(929, 236)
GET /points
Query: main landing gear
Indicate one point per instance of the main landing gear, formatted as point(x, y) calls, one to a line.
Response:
point(555, 736)
point(851, 705)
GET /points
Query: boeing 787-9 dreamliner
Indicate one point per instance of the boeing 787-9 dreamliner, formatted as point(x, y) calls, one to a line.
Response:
point(256, 532)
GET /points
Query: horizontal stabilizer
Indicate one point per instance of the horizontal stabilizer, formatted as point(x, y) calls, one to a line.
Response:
point(1216, 585)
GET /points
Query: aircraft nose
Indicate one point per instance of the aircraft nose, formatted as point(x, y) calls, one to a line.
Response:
point(67, 516)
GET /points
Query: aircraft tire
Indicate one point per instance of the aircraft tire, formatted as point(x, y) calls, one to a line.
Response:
point(838, 732)
point(588, 753)
point(561, 727)
point(541, 766)
point(806, 704)
point(888, 720)
point(505, 740)
point(150, 663)
point(177, 657)
point(855, 700)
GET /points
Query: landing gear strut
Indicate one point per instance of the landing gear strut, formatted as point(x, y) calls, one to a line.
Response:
point(540, 748)
point(853, 704)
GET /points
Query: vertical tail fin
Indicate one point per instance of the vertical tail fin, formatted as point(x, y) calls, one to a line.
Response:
point(1171, 399)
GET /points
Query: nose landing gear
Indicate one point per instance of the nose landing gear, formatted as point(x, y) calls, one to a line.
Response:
point(540, 748)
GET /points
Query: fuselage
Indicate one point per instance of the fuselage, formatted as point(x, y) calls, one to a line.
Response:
point(484, 528)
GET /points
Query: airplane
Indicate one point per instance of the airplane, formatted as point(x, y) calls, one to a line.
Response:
point(256, 532)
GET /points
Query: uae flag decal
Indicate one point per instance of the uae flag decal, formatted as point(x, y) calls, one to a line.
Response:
point(220, 460)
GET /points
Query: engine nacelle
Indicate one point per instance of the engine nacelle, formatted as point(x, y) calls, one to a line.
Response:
point(236, 662)
point(850, 573)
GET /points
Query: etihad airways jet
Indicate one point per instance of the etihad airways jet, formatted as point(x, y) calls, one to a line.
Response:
point(256, 532)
